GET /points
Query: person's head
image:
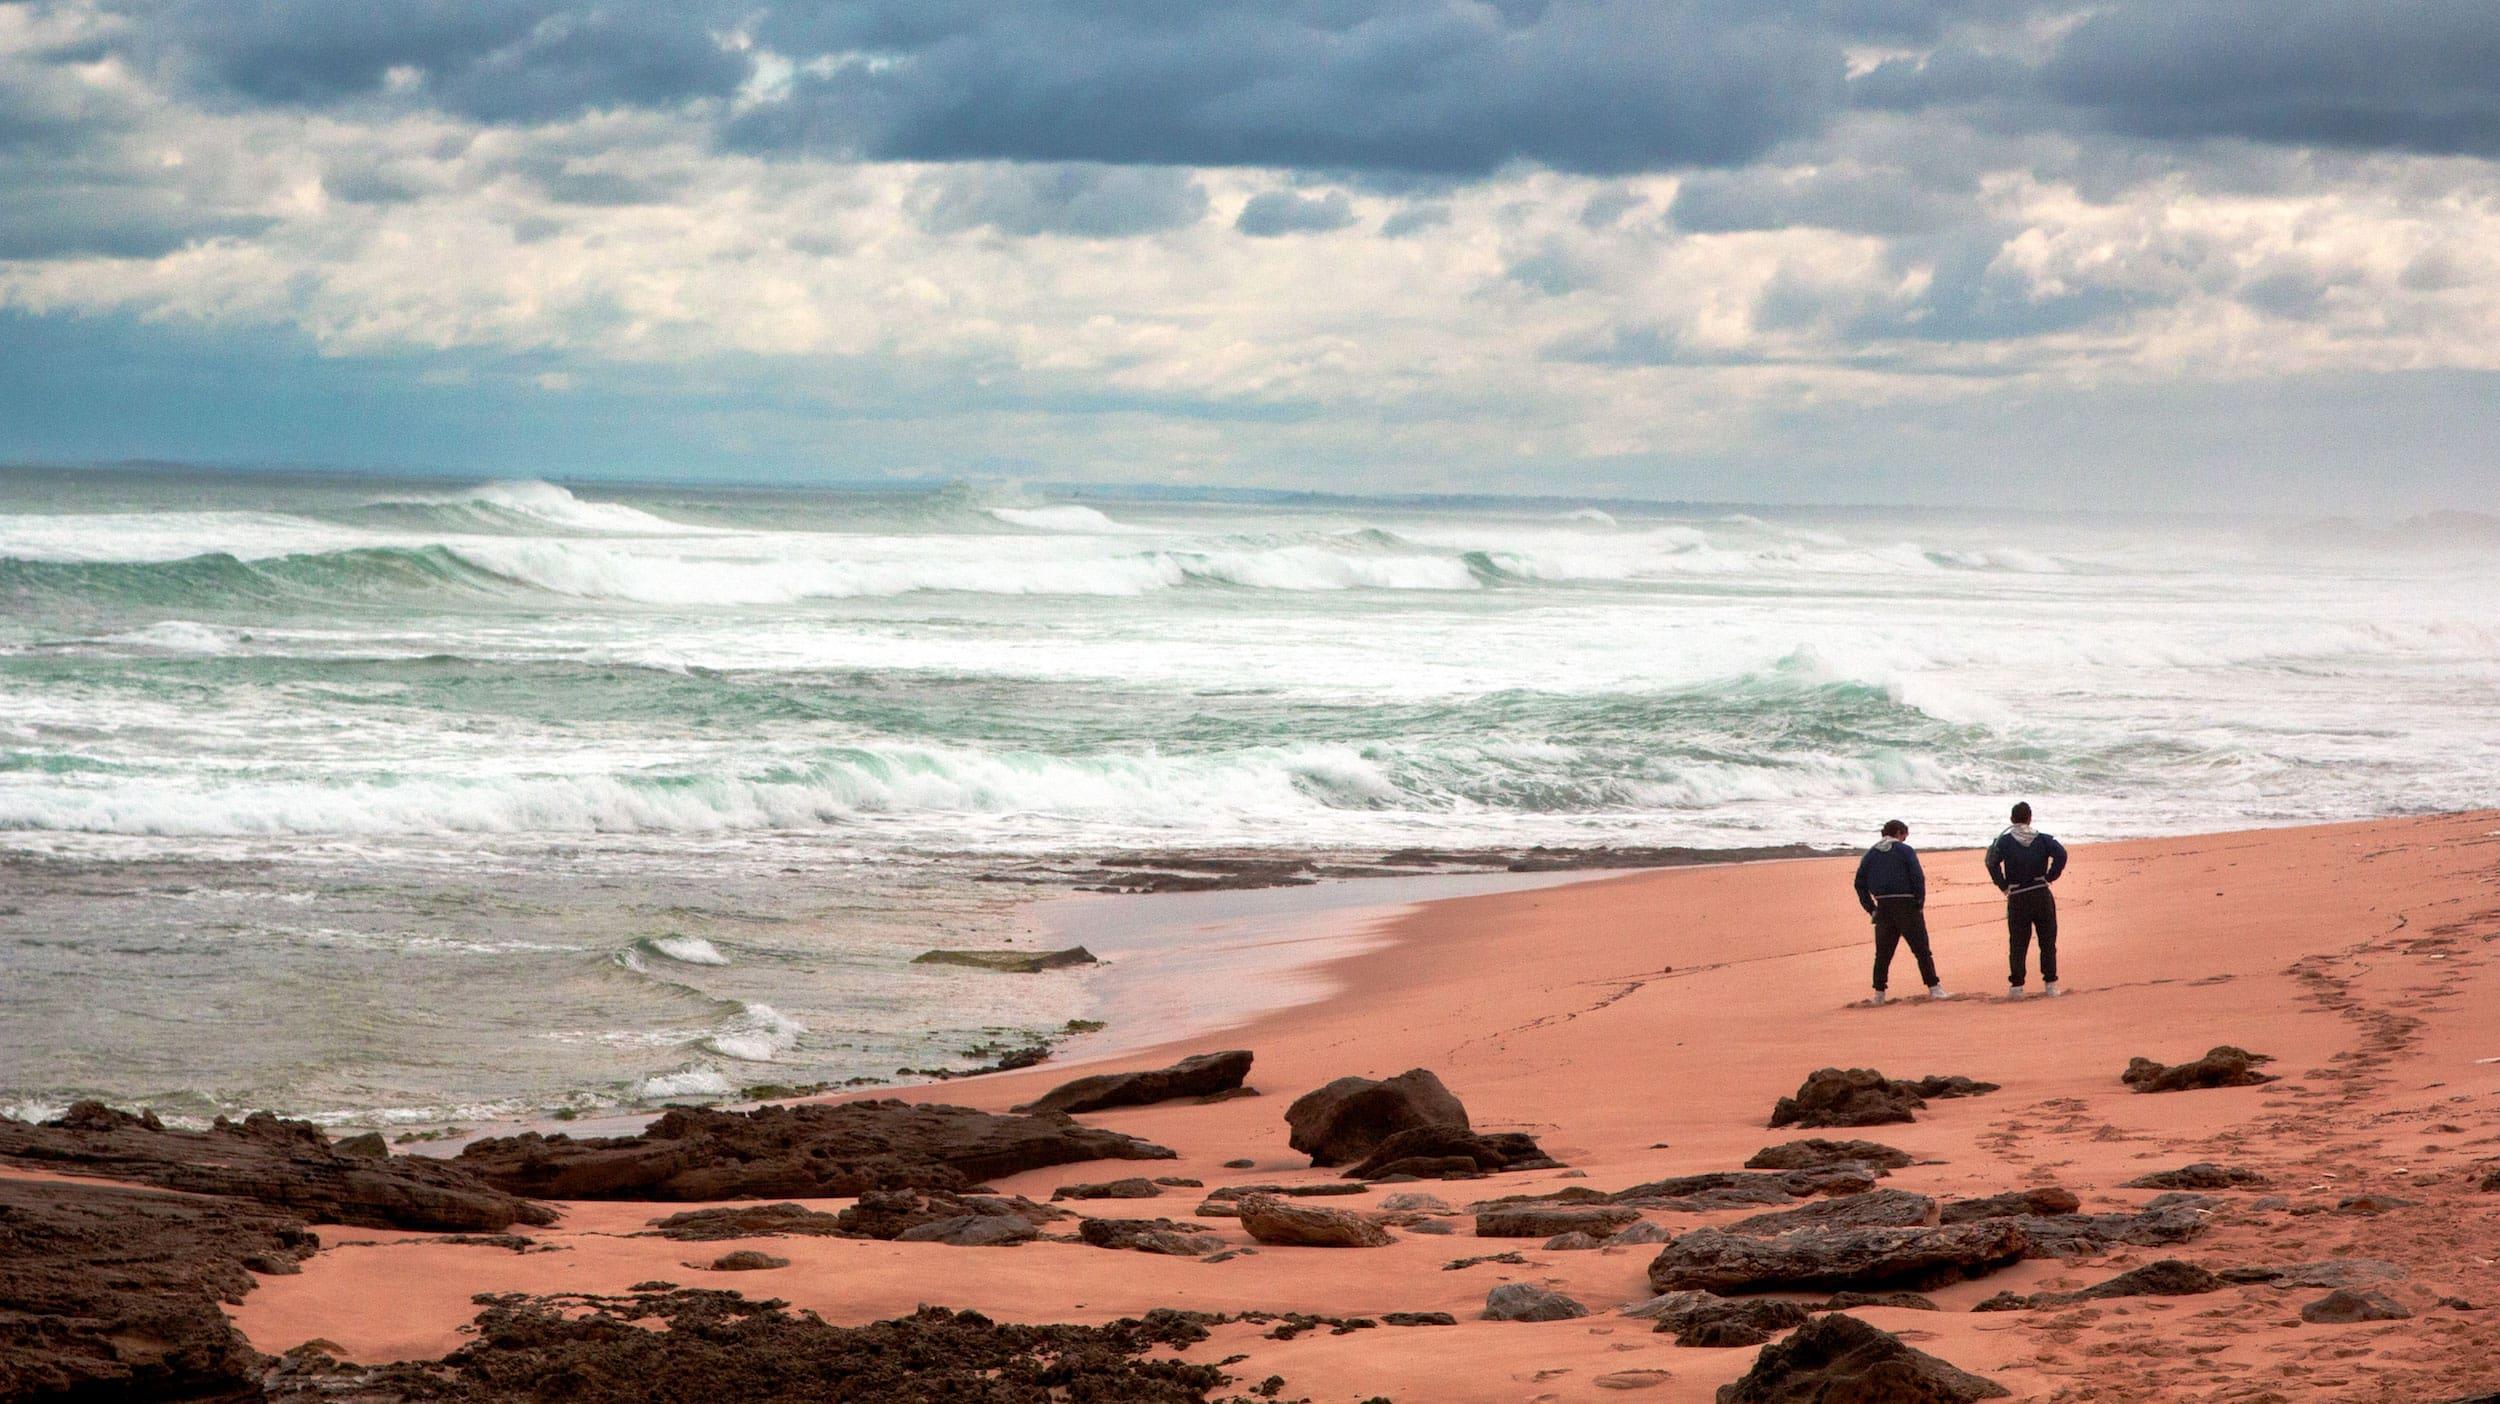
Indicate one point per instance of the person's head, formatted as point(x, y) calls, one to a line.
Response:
point(1895, 829)
point(2022, 813)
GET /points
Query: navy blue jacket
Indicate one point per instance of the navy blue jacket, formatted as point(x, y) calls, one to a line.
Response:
point(1890, 872)
point(2014, 866)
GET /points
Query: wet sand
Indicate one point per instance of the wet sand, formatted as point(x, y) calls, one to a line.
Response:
point(1642, 1026)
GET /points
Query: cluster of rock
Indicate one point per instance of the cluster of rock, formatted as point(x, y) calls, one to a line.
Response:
point(2222, 1066)
point(1842, 1097)
point(1404, 1127)
point(1205, 1075)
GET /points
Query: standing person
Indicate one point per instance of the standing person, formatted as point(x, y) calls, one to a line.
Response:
point(2022, 863)
point(1893, 889)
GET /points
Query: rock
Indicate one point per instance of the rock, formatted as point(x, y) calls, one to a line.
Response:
point(747, 1221)
point(1412, 1202)
point(1225, 1203)
point(2222, 1066)
point(973, 1231)
point(1740, 1189)
point(1714, 1260)
point(1239, 1164)
point(110, 1292)
point(2166, 1219)
point(747, 1260)
point(1632, 1379)
point(1272, 1220)
point(2369, 1204)
point(1816, 1154)
point(1546, 1220)
point(2334, 1272)
point(892, 1214)
point(1638, 1235)
point(289, 1165)
point(1846, 1097)
point(1436, 1227)
point(1573, 1242)
point(369, 1146)
point(1165, 1236)
point(1836, 1359)
point(1010, 962)
point(2168, 1277)
point(2048, 1200)
point(1446, 1152)
point(1707, 1320)
point(1131, 1188)
point(1417, 1318)
point(1201, 1076)
point(1937, 1089)
point(1875, 1209)
point(2344, 1307)
point(810, 1150)
point(1344, 1121)
point(1526, 1301)
point(1851, 1301)
point(2203, 1175)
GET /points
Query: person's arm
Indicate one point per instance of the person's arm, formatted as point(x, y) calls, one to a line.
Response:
point(1865, 899)
point(2057, 858)
point(1996, 862)
point(1918, 877)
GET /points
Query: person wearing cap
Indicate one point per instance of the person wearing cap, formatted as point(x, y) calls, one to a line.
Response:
point(1892, 887)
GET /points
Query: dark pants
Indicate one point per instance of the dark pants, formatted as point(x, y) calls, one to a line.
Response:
point(2025, 914)
point(1897, 921)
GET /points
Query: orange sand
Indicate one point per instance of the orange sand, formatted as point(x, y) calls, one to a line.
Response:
point(1642, 1026)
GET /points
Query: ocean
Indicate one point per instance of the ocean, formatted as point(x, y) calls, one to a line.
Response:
point(402, 804)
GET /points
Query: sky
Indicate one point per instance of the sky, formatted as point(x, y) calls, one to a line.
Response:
point(2205, 254)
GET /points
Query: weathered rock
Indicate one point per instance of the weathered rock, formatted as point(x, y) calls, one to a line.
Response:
point(1851, 1301)
point(748, 1221)
point(1344, 1121)
point(1847, 1097)
point(1573, 1242)
point(2203, 1175)
point(1875, 1209)
point(747, 1260)
point(1836, 1359)
point(1526, 1301)
point(1817, 1153)
point(2333, 1272)
point(1546, 1220)
point(892, 1214)
point(290, 1165)
point(1937, 1088)
point(2372, 1203)
point(2344, 1307)
point(110, 1292)
point(1713, 1260)
point(973, 1231)
point(1165, 1236)
point(1272, 1220)
point(2164, 1220)
point(809, 1150)
point(1011, 962)
point(1412, 1202)
point(1203, 1075)
point(1134, 1187)
point(1640, 1235)
point(2222, 1066)
point(1447, 1152)
point(2169, 1277)
point(1740, 1189)
point(2047, 1200)
point(1631, 1379)
point(1706, 1319)
point(1225, 1203)
point(1436, 1227)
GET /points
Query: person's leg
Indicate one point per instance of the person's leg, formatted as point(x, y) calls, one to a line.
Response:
point(1886, 938)
point(1914, 931)
point(2017, 941)
point(2045, 920)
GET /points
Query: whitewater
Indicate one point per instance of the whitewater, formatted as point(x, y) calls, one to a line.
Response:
point(486, 799)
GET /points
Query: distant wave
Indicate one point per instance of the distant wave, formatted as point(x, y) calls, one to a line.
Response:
point(535, 504)
point(1064, 517)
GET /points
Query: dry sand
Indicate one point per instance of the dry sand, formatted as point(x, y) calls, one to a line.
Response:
point(1643, 1025)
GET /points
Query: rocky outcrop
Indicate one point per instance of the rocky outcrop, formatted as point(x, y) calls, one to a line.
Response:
point(1876, 1209)
point(747, 1260)
point(2046, 1201)
point(1225, 1202)
point(1706, 1319)
point(2169, 1277)
point(1169, 1237)
point(110, 1292)
point(904, 1214)
point(747, 1221)
point(1741, 1189)
point(1526, 1301)
point(1835, 1358)
point(2332, 1272)
point(290, 1165)
point(1011, 962)
point(973, 1231)
point(1816, 1154)
point(1938, 1088)
point(1530, 1220)
point(2164, 1220)
point(1346, 1120)
point(1201, 1076)
point(2222, 1066)
point(2203, 1175)
point(812, 1150)
point(1272, 1220)
point(1861, 1259)
point(1448, 1152)
point(1134, 1187)
point(2345, 1307)
point(1847, 1097)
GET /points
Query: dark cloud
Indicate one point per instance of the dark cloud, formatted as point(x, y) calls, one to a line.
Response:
point(1084, 200)
point(1272, 213)
point(1858, 201)
point(108, 221)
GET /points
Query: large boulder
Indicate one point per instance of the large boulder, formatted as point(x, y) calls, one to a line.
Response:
point(2345, 1307)
point(1203, 1075)
point(2164, 1220)
point(1841, 1360)
point(290, 1165)
point(1818, 1153)
point(1446, 1151)
point(805, 1151)
point(1526, 1301)
point(1346, 1120)
point(2044, 1201)
point(2222, 1066)
point(1272, 1220)
point(901, 1214)
point(1852, 1259)
point(1875, 1209)
point(1533, 1220)
point(1847, 1097)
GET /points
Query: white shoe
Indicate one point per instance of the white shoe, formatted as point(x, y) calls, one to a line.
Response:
point(1937, 992)
point(2013, 992)
point(2050, 990)
point(1878, 999)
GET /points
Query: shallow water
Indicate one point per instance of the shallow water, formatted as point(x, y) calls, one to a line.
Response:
point(417, 802)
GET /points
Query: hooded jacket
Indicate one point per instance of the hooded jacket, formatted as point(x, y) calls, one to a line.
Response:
point(1890, 869)
point(2023, 858)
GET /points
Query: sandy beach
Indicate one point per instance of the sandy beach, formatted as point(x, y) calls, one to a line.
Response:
point(1642, 1026)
